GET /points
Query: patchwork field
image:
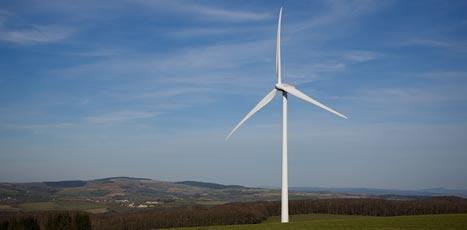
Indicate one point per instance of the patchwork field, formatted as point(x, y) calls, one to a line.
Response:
point(332, 222)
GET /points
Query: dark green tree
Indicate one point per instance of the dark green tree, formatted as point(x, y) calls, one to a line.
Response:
point(4, 225)
point(28, 223)
point(82, 222)
point(60, 221)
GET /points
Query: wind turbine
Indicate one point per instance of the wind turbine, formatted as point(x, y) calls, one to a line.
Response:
point(285, 89)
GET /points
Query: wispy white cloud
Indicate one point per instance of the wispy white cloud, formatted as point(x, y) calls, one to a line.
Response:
point(38, 126)
point(31, 33)
point(120, 116)
point(441, 75)
point(205, 66)
point(172, 92)
point(35, 127)
point(411, 96)
point(322, 63)
point(223, 14)
point(35, 34)
point(360, 56)
point(436, 43)
point(99, 52)
point(337, 11)
point(202, 31)
point(182, 33)
point(205, 12)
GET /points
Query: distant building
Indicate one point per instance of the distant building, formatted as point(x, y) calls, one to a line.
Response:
point(152, 202)
point(121, 201)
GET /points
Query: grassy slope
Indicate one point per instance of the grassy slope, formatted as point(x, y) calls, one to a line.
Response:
point(331, 222)
point(59, 205)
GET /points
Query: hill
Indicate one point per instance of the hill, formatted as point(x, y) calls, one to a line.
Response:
point(122, 194)
point(387, 192)
point(125, 193)
point(208, 185)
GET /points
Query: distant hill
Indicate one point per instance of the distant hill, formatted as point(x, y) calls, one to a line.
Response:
point(208, 185)
point(120, 178)
point(386, 192)
point(127, 193)
point(65, 184)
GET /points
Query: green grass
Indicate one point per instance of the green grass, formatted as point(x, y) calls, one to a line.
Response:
point(210, 202)
point(332, 222)
point(38, 206)
point(8, 192)
point(7, 208)
point(59, 205)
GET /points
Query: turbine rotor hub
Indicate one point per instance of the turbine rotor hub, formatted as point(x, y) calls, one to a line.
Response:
point(283, 86)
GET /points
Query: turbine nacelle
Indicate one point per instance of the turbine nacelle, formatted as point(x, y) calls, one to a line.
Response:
point(283, 87)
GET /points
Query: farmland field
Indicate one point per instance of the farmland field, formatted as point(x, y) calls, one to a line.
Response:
point(60, 205)
point(331, 222)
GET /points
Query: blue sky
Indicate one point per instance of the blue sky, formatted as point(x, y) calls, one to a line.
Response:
point(143, 88)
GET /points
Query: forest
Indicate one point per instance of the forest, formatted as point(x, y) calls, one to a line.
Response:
point(227, 214)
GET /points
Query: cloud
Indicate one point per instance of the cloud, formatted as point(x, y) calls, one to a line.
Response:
point(172, 92)
point(411, 98)
point(32, 33)
point(436, 43)
point(120, 116)
point(182, 33)
point(451, 46)
point(35, 34)
point(107, 118)
point(360, 56)
point(404, 95)
point(325, 62)
point(99, 52)
point(37, 126)
point(336, 11)
point(222, 14)
point(210, 66)
point(442, 75)
point(205, 12)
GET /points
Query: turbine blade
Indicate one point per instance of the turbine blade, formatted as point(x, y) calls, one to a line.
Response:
point(255, 109)
point(297, 93)
point(278, 49)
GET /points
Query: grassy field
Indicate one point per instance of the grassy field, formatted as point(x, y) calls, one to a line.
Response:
point(62, 205)
point(331, 222)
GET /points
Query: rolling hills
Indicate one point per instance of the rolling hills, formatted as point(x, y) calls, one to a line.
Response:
point(126, 193)
point(122, 194)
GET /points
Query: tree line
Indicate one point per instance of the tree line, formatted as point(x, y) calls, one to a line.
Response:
point(232, 213)
point(48, 221)
point(256, 212)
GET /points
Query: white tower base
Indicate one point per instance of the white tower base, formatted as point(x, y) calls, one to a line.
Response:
point(285, 184)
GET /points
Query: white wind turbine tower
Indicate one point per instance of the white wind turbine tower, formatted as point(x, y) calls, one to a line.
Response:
point(284, 89)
